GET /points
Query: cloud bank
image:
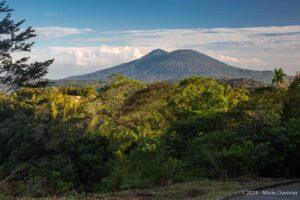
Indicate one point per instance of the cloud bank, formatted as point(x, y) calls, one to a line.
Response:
point(257, 48)
point(102, 56)
point(253, 37)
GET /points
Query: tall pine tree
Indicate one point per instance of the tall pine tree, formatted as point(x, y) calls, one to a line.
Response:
point(15, 73)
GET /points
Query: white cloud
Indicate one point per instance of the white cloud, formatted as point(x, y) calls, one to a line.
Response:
point(262, 37)
point(58, 32)
point(241, 62)
point(101, 57)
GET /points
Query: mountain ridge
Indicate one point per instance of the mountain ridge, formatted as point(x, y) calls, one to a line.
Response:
point(161, 65)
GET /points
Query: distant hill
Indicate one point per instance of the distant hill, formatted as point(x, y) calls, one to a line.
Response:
point(161, 65)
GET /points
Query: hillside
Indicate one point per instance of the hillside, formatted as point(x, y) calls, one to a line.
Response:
point(161, 65)
point(134, 135)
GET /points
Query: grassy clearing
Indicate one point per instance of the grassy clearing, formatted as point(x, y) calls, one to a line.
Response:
point(196, 190)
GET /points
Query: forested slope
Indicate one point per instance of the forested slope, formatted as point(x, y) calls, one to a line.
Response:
point(131, 134)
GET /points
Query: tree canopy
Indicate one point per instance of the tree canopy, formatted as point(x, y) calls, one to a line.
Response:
point(130, 134)
point(279, 77)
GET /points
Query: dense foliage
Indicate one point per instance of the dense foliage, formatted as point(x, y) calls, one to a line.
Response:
point(130, 134)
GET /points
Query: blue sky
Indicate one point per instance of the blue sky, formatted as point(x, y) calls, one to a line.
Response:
point(88, 35)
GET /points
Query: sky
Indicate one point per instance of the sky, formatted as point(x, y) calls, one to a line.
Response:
point(88, 35)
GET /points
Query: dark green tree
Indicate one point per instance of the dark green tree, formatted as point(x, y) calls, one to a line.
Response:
point(292, 104)
point(15, 73)
point(278, 77)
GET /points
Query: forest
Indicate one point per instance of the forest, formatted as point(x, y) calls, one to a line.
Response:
point(126, 134)
point(130, 134)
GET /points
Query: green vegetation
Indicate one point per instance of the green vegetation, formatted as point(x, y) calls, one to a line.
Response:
point(278, 77)
point(129, 134)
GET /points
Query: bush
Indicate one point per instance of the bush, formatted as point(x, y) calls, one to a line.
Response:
point(285, 153)
point(147, 166)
